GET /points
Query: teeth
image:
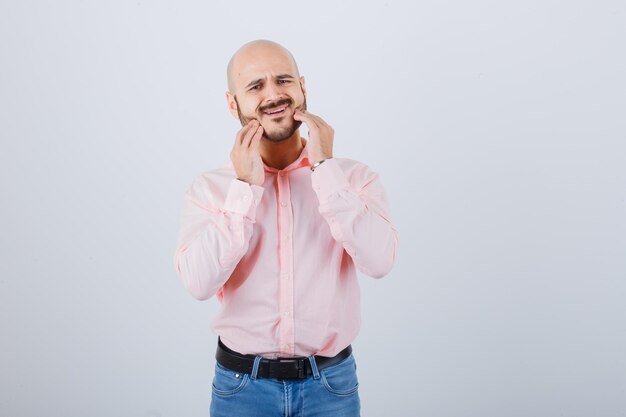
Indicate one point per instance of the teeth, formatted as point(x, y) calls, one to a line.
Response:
point(276, 111)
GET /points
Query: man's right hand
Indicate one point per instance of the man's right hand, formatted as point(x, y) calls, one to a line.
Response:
point(246, 156)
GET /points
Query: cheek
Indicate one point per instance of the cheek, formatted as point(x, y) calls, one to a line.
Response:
point(299, 99)
point(297, 95)
point(248, 109)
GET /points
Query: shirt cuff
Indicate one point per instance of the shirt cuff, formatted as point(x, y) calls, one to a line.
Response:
point(243, 198)
point(328, 179)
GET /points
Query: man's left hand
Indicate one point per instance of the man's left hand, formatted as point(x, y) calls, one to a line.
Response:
point(321, 135)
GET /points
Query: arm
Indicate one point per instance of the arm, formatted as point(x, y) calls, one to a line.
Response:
point(355, 207)
point(217, 218)
point(214, 235)
point(357, 212)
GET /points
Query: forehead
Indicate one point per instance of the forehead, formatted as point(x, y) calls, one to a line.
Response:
point(261, 63)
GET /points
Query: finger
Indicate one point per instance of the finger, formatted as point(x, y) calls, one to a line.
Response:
point(245, 143)
point(242, 132)
point(318, 120)
point(253, 134)
point(256, 139)
point(310, 123)
point(305, 117)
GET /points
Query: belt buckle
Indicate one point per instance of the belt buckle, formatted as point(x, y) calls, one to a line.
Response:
point(287, 368)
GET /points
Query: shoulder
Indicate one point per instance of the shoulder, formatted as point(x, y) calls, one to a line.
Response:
point(349, 164)
point(212, 186)
point(356, 172)
point(221, 175)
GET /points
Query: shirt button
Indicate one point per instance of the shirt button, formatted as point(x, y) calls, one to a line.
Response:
point(286, 313)
point(282, 203)
point(285, 276)
point(245, 198)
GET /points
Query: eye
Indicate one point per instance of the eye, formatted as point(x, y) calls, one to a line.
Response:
point(254, 87)
point(283, 81)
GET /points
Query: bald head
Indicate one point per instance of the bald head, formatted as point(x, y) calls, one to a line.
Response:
point(254, 54)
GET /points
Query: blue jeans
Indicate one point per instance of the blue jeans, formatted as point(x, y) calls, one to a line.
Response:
point(333, 391)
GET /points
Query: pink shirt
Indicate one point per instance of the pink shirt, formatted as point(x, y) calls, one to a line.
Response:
point(282, 258)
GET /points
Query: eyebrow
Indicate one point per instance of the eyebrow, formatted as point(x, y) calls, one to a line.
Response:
point(280, 77)
point(254, 82)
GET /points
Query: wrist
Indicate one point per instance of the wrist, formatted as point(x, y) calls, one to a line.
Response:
point(251, 182)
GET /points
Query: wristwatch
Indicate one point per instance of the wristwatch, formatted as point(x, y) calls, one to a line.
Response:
point(315, 165)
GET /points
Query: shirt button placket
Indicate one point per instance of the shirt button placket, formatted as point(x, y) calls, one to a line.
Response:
point(285, 229)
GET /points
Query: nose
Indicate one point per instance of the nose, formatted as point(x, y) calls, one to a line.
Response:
point(272, 92)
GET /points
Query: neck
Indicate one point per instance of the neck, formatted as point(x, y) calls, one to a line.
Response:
point(279, 155)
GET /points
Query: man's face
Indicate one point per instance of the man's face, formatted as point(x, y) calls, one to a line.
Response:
point(280, 124)
point(268, 89)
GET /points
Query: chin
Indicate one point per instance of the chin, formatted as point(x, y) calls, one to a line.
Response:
point(283, 133)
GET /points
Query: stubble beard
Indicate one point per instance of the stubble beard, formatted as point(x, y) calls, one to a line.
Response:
point(279, 134)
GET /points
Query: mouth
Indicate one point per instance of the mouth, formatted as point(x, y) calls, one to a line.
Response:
point(276, 111)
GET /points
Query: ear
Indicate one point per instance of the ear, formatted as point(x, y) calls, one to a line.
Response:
point(232, 104)
point(302, 85)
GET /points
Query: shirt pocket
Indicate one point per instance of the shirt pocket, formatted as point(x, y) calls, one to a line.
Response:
point(341, 379)
point(227, 382)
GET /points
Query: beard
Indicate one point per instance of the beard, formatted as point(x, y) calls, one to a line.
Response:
point(278, 133)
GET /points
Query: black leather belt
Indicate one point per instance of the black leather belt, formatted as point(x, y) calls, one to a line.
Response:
point(280, 368)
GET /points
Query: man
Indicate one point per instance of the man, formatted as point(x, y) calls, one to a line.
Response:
point(277, 236)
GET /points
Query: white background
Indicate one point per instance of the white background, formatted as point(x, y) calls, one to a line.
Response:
point(498, 128)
